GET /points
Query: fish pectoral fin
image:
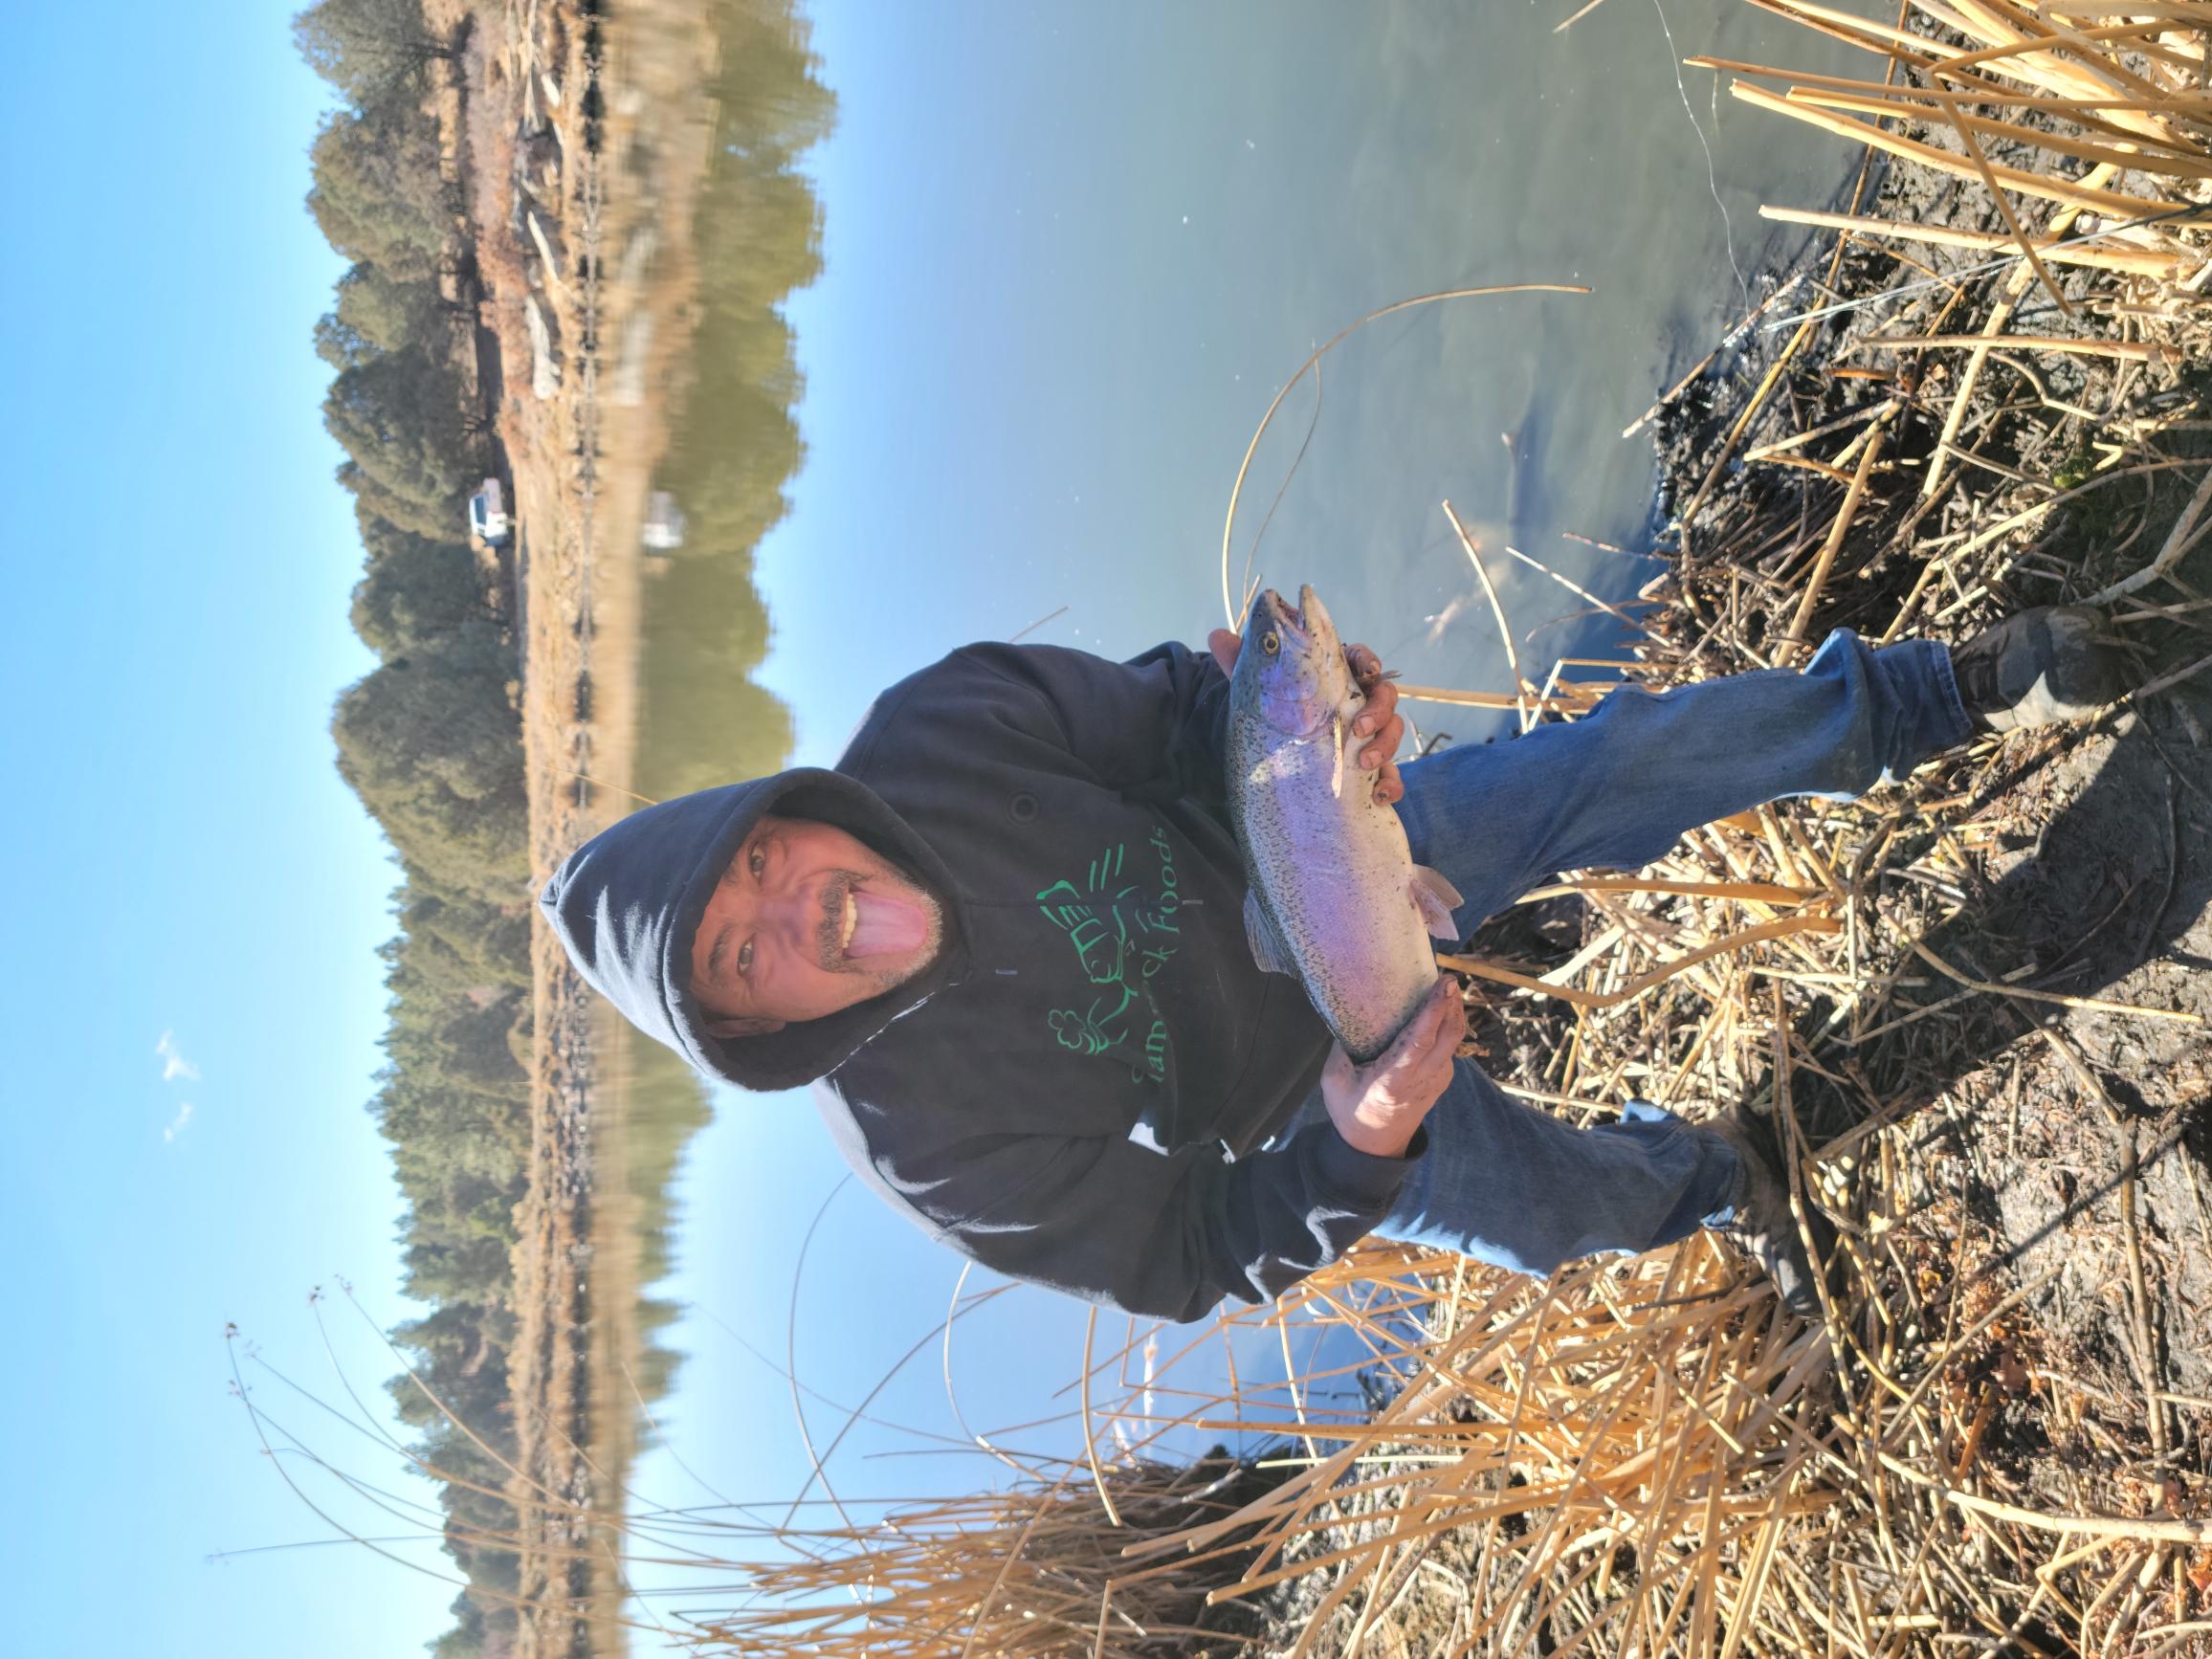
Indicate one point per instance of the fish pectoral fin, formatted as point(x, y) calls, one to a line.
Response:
point(1436, 898)
point(1267, 947)
point(1336, 776)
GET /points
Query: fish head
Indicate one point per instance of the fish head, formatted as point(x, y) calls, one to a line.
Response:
point(1291, 666)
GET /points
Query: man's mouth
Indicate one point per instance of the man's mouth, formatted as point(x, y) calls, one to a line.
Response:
point(861, 923)
point(883, 925)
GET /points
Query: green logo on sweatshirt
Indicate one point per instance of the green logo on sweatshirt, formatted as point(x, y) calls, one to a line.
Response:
point(1125, 932)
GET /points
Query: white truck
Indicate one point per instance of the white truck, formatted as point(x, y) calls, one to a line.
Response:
point(488, 521)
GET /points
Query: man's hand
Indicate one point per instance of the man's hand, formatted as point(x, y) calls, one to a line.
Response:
point(1378, 1107)
point(1380, 717)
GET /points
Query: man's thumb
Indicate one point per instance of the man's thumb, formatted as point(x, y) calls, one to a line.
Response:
point(1440, 1011)
point(1419, 1034)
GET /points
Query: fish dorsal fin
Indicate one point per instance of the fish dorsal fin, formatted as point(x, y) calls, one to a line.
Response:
point(1436, 898)
point(1267, 947)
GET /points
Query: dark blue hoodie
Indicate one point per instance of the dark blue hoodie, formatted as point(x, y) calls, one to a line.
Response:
point(1067, 811)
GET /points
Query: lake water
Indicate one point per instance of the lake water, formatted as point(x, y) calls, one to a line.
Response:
point(1070, 253)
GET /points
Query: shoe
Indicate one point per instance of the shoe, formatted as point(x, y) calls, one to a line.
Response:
point(1763, 1223)
point(2057, 662)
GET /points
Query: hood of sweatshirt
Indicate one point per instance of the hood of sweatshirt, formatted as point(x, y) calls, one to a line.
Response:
point(627, 903)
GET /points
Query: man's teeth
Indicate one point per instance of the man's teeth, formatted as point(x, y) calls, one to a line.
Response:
point(851, 923)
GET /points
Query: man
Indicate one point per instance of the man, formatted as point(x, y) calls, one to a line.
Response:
point(1004, 937)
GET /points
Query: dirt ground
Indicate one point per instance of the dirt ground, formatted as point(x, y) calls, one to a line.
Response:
point(2104, 885)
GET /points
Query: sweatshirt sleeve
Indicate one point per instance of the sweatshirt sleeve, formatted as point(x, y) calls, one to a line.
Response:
point(1162, 1235)
point(1153, 725)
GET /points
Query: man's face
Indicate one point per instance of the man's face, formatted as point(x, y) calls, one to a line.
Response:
point(805, 921)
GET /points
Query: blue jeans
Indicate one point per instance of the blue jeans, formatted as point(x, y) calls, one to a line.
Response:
point(1516, 1187)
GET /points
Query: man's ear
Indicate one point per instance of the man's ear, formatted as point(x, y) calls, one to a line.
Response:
point(750, 1026)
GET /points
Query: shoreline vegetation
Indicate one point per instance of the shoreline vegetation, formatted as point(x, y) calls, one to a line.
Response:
point(570, 233)
point(1972, 1002)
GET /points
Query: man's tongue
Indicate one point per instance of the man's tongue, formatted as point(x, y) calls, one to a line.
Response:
point(885, 925)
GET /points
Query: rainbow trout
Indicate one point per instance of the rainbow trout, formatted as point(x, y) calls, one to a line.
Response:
point(1334, 897)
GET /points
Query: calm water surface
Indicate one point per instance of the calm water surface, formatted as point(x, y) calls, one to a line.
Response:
point(1070, 254)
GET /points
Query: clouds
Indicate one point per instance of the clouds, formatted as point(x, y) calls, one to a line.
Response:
point(176, 1068)
point(174, 1064)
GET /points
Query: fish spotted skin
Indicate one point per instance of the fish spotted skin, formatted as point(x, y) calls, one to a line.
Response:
point(1334, 897)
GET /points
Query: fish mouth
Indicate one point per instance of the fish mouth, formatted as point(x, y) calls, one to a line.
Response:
point(1289, 617)
point(1306, 624)
point(1313, 615)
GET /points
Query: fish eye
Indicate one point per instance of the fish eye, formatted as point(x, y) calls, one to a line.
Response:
point(1271, 643)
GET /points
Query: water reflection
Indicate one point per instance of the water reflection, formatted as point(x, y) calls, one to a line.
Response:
point(733, 443)
point(717, 487)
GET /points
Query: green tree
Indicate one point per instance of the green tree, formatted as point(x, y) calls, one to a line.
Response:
point(440, 1130)
point(399, 417)
point(372, 50)
point(414, 589)
point(377, 313)
point(458, 945)
point(436, 521)
point(433, 746)
point(442, 1266)
point(377, 194)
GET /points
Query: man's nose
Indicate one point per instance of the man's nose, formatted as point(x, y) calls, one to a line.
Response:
point(793, 914)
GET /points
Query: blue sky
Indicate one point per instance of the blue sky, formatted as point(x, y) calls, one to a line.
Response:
point(192, 996)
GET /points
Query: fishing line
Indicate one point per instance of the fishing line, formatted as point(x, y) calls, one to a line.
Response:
point(1999, 263)
point(1228, 604)
point(1252, 582)
point(1711, 179)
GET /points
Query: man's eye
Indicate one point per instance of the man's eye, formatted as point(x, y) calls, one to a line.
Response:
point(745, 958)
point(758, 859)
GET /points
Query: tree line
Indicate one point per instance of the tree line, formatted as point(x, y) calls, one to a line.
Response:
point(431, 738)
